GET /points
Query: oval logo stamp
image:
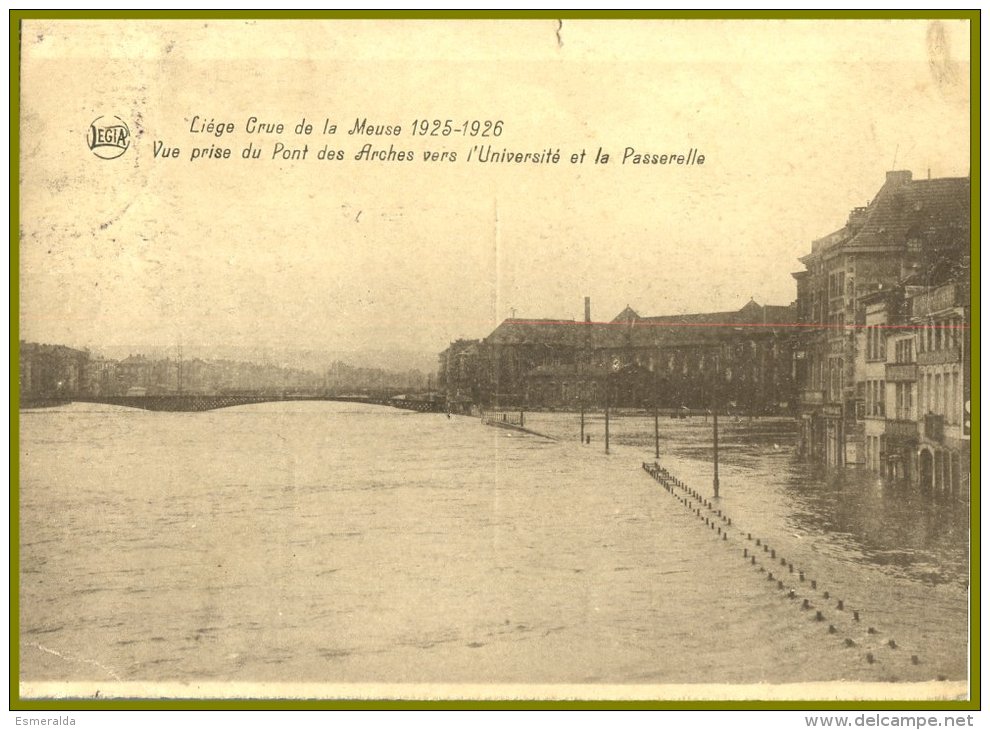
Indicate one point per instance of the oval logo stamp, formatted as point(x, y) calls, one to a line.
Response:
point(108, 137)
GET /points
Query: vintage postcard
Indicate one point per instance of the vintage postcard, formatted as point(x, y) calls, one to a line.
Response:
point(494, 359)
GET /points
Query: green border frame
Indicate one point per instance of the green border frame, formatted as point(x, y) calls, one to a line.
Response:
point(16, 703)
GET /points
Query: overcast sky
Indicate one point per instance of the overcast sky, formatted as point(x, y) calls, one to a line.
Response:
point(798, 121)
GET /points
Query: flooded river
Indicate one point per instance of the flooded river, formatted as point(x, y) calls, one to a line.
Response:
point(323, 542)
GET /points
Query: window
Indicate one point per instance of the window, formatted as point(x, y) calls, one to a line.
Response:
point(875, 343)
point(952, 402)
point(946, 402)
point(904, 401)
point(904, 351)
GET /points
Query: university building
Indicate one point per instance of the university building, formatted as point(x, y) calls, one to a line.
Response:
point(740, 360)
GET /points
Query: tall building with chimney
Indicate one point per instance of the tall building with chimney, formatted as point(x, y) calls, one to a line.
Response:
point(739, 360)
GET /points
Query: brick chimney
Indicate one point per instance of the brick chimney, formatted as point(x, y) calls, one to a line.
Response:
point(898, 177)
point(587, 310)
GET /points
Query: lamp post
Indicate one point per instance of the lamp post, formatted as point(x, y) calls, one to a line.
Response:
point(608, 401)
point(656, 414)
point(717, 382)
point(616, 365)
point(582, 418)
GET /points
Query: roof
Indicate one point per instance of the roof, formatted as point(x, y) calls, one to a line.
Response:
point(915, 209)
point(751, 313)
point(904, 210)
point(626, 331)
point(135, 360)
point(460, 347)
point(627, 315)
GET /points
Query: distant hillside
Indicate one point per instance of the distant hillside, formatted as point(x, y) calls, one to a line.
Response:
point(315, 360)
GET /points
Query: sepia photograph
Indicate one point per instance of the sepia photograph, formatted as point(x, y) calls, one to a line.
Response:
point(493, 359)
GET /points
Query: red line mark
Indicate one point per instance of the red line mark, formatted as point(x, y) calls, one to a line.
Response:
point(806, 325)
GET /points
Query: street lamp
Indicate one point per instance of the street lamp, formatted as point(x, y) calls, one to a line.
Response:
point(608, 401)
point(616, 364)
point(656, 413)
point(717, 382)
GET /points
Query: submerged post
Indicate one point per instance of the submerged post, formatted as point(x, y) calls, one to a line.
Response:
point(582, 421)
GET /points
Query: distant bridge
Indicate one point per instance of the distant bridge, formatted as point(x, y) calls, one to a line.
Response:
point(191, 402)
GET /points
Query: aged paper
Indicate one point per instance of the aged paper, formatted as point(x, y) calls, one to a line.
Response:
point(281, 225)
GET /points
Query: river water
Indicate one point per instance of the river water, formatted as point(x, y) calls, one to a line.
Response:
point(330, 542)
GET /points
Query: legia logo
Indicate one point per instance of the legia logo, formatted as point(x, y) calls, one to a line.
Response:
point(108, 137)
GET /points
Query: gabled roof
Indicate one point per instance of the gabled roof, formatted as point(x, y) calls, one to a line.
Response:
point(627, 315)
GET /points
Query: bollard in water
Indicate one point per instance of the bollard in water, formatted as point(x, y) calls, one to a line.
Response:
point(730, 520)
point(825, 594)
point(892, 644)
point(752, 560)
point(840, 605)
point(855, 615)
point(725, 536)
point(801, 576)
point(773, 554)
point(818, 616)
point(780, 585)
point(850, 642)
point(791, 594)
point(869, 658)
point(783, 562)
point(757, 541)
point(769, 576)
point(745, 552)
point(871, 630)
point(915, 660)
point(832, 629)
